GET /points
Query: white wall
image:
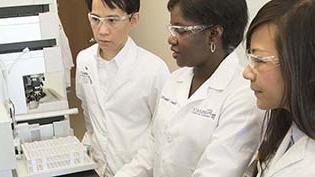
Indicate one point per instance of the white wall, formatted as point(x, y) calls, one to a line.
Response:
point(152, 32)
point(2, 86)
point(253, 7)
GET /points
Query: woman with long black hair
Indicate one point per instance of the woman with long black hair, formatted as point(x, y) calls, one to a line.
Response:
point(281, 49)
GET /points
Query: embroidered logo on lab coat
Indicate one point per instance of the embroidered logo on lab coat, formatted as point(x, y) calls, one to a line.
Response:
point(85, 77)
point(207, 113)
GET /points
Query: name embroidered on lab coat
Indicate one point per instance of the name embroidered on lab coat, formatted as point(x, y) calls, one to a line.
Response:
point(168, 100)
point(207, 113)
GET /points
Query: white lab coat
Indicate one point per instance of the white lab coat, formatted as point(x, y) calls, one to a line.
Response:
point(297, 161)
point(118, 121)
point(213, 133)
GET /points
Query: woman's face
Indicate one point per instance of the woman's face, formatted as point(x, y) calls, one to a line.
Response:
point(189, 49)
point(264, 70)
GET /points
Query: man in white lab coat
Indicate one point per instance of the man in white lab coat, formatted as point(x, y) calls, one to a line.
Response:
point(206, 123)
point(118, 84)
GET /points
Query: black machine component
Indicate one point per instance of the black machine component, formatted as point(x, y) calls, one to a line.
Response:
point(32, 45)
point(22, 11)
point(33, 86)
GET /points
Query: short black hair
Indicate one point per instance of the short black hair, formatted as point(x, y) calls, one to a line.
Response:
point(129, 6)
point(230, 14)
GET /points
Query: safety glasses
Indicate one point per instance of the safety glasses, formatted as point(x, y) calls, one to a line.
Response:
point(111, 21)
point(181, 30)
point(259, 63)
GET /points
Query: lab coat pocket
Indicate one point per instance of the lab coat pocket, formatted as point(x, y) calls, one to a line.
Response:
point(89, 94)
point(198, 126)
point(98, 158)
point(194, 133)
point(123, 157)
point(177, 169)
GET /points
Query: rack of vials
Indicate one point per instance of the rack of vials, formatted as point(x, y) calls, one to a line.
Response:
point(54, 154)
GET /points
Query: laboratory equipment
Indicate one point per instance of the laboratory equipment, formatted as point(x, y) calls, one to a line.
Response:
point(44, 158)
point(7, 155)
point(35, 57)
point(55, 157)
point(35, 63)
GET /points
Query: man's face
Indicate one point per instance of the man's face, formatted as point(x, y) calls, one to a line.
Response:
point(112, 29)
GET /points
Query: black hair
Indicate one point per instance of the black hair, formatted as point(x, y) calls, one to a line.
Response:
point(296, 46)
point(279, 120)
point(270, 13)
point(230, 14)
point(301, 112)
point(129, 6)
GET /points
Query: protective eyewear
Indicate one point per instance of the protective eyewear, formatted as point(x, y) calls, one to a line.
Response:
point(111, 21)
point(181, 30)
point(259, 62)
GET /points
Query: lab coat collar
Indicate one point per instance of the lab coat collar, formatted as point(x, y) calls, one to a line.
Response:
point(183, 86)
point(223, 75)
point(127, 55)
point(294, 154)
point(218, 80)
point(123, 55)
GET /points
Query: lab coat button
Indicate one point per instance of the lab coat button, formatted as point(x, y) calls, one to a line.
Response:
point(169, 138)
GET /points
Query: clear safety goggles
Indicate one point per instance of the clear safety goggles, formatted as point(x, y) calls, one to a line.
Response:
point(176, 30)
point(259, 63)
point(111, 21)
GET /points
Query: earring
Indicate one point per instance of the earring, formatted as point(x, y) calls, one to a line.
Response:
point(212, 47)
